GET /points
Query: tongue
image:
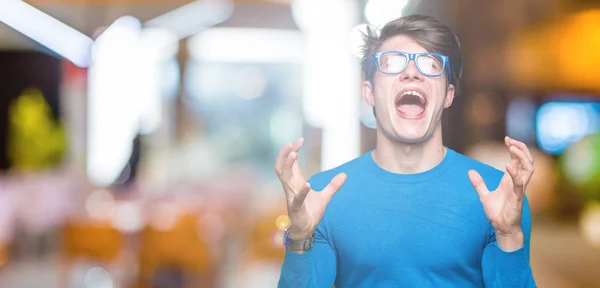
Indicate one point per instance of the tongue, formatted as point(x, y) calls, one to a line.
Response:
point(410, 109)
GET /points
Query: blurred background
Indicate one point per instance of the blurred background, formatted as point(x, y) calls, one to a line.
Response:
point(138, 137)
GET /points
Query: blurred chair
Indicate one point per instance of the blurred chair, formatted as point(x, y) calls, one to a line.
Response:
point(175, 251)
point(263, 255)
point(265, 244)
point(95, 241)
point(3, 254)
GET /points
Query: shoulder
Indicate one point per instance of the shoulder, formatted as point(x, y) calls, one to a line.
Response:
point(490, 175)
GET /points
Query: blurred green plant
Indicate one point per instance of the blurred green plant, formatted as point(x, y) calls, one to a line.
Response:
point(581, 165)
point(35, 140)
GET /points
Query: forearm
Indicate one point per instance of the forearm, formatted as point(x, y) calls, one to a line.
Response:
point(296, 271)
point(314, 268)
point(505, 260)
point(507, 269)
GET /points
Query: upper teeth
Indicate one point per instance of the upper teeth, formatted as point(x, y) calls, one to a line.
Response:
point(414, 93)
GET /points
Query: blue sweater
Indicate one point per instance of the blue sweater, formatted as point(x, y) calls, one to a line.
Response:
point(383, 229)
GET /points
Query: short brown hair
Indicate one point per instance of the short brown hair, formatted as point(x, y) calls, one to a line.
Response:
point(431, 34)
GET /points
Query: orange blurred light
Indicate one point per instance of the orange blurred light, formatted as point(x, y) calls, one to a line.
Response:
point(578, 50)
point(561, 55)
point(283, 222)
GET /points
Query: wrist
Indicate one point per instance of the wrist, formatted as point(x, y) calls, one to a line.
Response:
point(300, 234)
point(298, 245)
point(510, 241)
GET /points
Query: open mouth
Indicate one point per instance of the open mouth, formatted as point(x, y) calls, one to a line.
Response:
point(411, 103)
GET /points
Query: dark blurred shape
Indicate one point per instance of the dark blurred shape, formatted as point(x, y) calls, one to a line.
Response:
point(175, 251)
point(520, 120)
point(130, 171)
point(168, 277)
point(584, 3)
point(19, 71)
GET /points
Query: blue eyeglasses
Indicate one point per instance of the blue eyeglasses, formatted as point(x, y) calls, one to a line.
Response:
point(394, 62)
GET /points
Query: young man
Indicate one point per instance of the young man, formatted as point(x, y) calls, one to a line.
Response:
point(411, 212)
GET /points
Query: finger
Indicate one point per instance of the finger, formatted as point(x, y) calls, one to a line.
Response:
point(283, 153)
point(507, 141)
point(301, 196)
point(296, 168)
point(298, 144)
point(512, 171)
point(295, 147)
point(287, 167)
point(478, 183)
point(523, 148)
point(523, 160)
point(516, 179)
point(334, 185)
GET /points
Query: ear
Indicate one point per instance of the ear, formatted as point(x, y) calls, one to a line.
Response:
point(449, 96)
point(367, 91)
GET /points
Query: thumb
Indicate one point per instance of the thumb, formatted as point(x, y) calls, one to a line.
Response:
point(478, 183)
point(334, 185)
point(299, 199)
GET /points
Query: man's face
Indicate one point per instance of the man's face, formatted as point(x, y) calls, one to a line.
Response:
point(409, 105)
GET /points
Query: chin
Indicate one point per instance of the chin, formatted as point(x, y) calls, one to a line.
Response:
point(412, 130)
point(408, 134)
point(412, 138)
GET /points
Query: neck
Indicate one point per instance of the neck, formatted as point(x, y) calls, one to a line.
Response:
point(409, 158)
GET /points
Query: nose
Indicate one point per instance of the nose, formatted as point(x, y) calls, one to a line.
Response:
point(411, 73)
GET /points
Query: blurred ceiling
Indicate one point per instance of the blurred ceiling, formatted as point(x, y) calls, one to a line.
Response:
point(491, 32)
point(87, 16)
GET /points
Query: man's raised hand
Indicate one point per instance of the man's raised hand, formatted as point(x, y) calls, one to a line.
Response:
point(306, 206)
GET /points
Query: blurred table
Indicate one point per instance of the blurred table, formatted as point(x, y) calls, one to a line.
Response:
point(561, 258)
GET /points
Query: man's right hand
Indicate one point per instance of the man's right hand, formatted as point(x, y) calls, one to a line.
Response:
point(305, 206)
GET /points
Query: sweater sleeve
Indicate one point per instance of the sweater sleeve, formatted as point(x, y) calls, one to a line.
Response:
point(509, 269)
point(315, 268)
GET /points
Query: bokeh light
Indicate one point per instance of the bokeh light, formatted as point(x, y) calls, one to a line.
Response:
point(277, 238)
point(379, 12)
point(97, 277)
point(285, 124)
point(283, 222)
point(581, 165)
point(484, 111)
point(367, 117)
point(100, 204)
point(590, 224)
point(559, 124)
point(128, 217)
point(164, 216)
point(211, 227)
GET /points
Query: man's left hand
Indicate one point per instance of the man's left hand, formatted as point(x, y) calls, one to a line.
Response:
point(504, 206)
